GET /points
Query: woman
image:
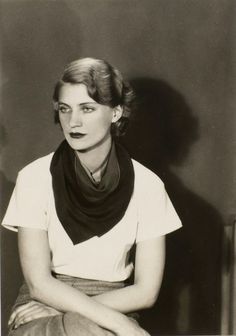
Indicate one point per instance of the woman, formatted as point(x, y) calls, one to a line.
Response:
point(79, 211)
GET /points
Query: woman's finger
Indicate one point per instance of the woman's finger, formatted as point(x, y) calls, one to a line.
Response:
point(29, 312)
point(34, 313)
point(28, 316)
point(20, 309)
point(24, 309)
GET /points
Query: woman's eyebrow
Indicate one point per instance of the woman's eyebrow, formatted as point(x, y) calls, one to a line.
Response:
point(60, 102)
point(87, 103)
point(80, 104)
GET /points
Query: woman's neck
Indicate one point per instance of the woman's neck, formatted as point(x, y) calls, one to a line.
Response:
point(95, 157)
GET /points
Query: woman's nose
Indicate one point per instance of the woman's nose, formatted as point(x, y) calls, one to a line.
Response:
point(76, 118)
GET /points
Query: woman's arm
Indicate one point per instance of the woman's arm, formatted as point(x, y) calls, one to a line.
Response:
point(149, 266)
point(35, 260)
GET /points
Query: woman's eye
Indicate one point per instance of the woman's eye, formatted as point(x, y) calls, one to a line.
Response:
point(63, 109)
point(87, 109)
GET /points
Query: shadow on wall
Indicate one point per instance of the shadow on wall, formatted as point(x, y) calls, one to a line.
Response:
point(160, 136)
point(10, 267)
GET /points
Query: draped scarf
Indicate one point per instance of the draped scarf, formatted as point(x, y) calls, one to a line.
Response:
point(86, 209)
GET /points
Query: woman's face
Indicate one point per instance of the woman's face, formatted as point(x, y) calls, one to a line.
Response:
point(85, 123)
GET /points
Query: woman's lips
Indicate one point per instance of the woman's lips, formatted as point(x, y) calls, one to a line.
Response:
point(76, 135)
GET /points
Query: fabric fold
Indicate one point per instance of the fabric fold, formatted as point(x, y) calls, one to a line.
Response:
point(84, 209)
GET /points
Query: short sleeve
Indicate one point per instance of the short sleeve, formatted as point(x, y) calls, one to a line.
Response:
point(28, 203)
point(156, 213)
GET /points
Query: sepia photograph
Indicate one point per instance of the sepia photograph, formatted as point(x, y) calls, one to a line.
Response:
point(118, 167)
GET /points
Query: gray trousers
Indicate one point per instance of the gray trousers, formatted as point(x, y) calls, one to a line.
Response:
point(66, 324)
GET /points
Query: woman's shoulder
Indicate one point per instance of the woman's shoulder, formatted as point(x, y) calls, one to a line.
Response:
point(145, 176)
point(38, 168)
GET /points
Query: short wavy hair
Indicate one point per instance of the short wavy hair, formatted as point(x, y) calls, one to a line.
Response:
point(105, 85)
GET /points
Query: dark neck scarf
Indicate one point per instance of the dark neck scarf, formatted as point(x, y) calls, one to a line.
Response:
point(84, 209)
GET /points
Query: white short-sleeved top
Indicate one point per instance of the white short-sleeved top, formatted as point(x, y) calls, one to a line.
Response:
point(150, 214)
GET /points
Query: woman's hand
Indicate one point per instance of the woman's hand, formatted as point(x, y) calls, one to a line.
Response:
point(29, 312)
point(131, 328)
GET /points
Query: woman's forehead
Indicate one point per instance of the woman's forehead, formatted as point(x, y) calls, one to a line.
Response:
point(74, 94)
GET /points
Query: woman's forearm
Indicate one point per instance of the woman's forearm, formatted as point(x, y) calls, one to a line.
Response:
point(65, 298)
point(126, 300)
point(149, 266)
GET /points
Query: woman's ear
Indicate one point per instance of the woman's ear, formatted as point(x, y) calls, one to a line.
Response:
point(117, 113)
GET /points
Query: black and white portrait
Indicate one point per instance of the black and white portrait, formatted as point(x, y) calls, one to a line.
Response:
point(118, 142)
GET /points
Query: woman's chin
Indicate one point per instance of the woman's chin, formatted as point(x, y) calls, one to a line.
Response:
point(76, 144)
point(81, 146)
point(78, 148)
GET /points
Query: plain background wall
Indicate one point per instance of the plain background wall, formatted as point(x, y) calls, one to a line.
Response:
point(180, 57)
